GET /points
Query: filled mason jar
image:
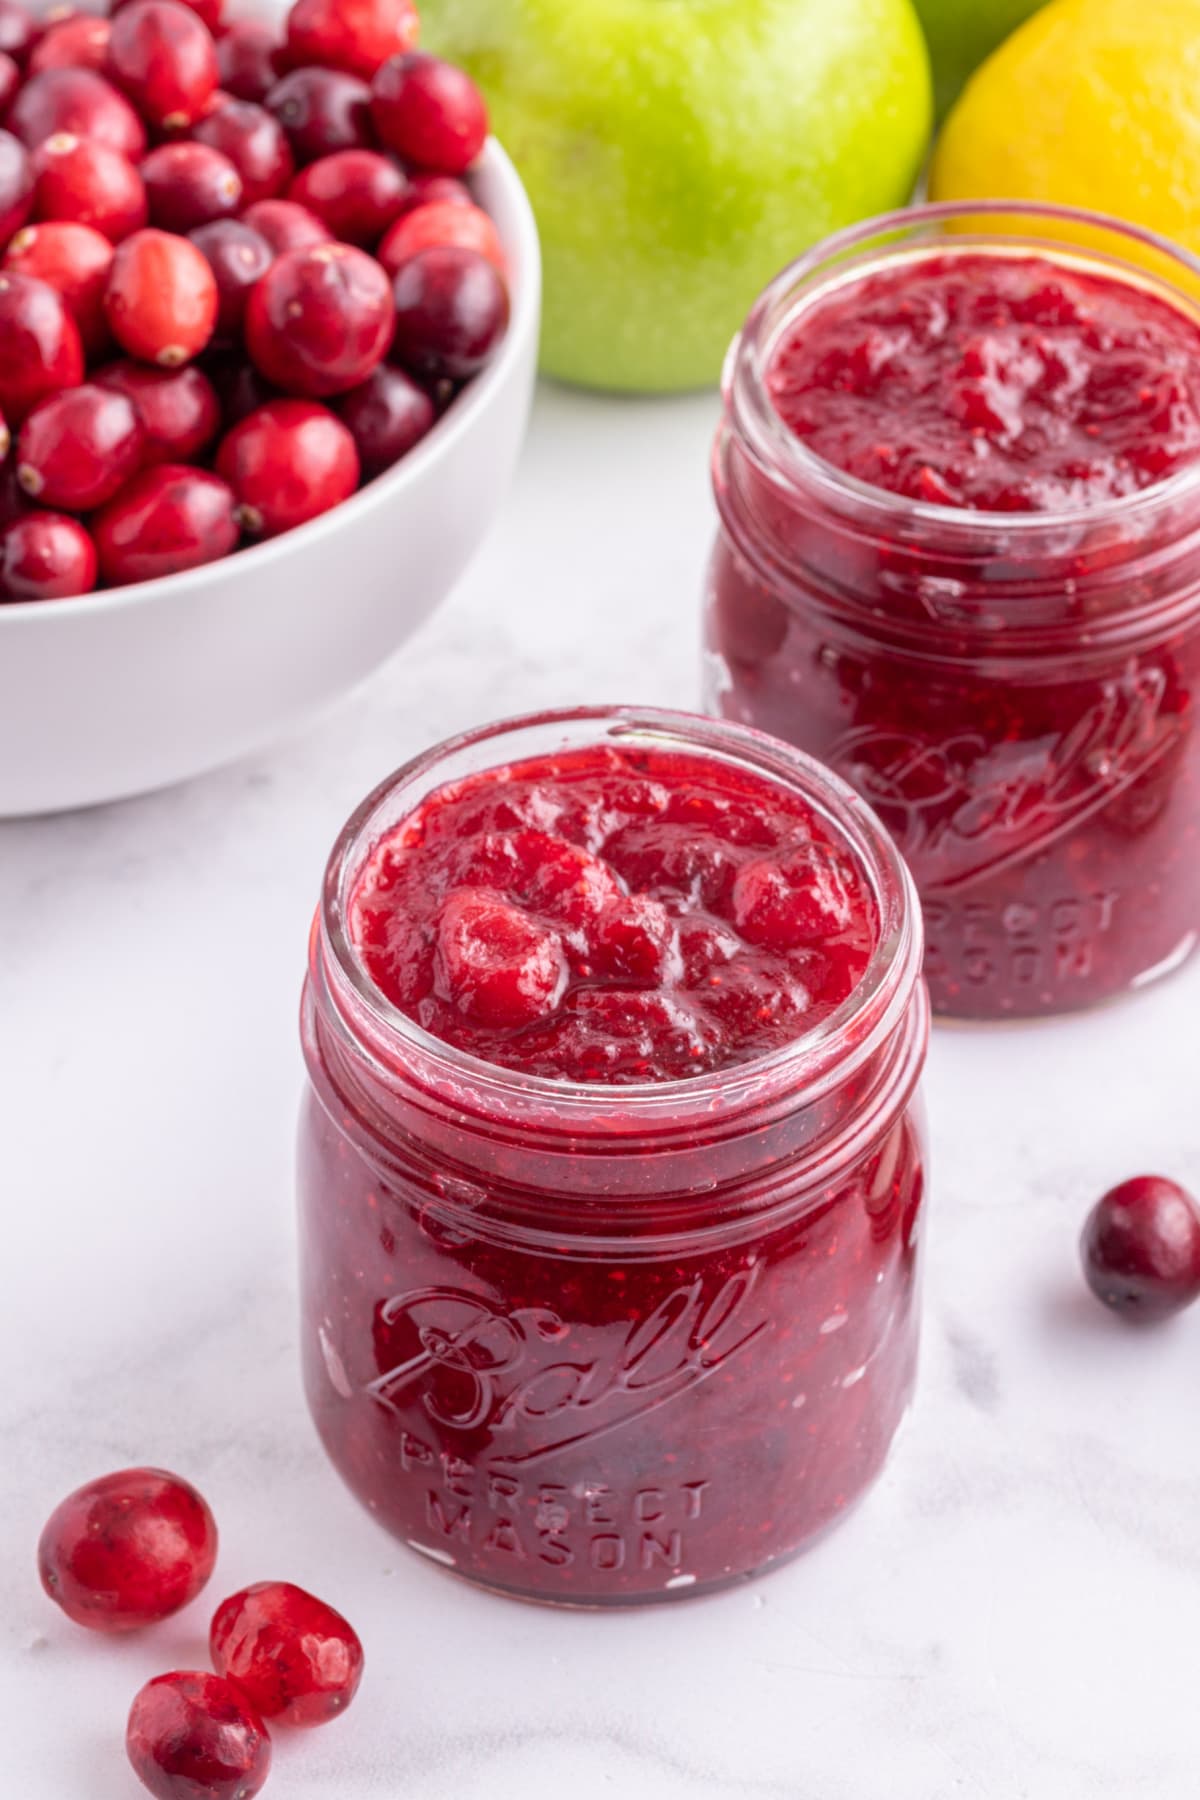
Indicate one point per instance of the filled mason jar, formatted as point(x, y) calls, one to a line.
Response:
point(611, 1163)
point(958, 478)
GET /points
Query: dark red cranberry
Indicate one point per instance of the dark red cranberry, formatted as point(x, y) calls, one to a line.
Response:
point(1141, 1248)
point(165, 520)
point(162, 55)
point(19, 31)
point(77, 43)
point(190, 184)
point(208, 11)
point(356, 192)
point(323, 111)
point(87, 183)
point(320, 320)
point(162, 298)
point(195, 1737)
point(10, 82)
point(246, 60)
point(128, 1549)
point(297, 1659)
point(240, 389)
point(77, 448)
point(287, 226)
point(288, 462)
point(353, 35)
point(40, 347)
point(14, 501)
point(75, 261)
point(387, 414)
point(46, 556)
point(178, 409)
point(442, 222)
point(16, 185)
point(434, 190)
point(429, 112)
point(255, 144)
point(451, 312)
point(80, 102)
point(238, 256)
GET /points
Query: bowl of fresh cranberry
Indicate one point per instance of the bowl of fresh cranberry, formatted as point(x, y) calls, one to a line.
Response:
point(268, 328)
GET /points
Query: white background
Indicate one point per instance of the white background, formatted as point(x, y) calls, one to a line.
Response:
point(1014, 1612)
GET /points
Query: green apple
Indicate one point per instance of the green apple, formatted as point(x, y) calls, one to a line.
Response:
point(678, 153)
point(962, 33)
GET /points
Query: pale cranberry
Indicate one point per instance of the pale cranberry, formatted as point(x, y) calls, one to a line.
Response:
point(238, 257)
point(1141, 1248)
point(75, 261)
point(496, 964)
point(16, 185)
point(451, 312)
point(193, 1736)
point(288, 462)
point(255, 144)
point(429, 112)
point(208, 11)
point(444, 222)
point(77, 43)
point(128, 1549)
point(162, 55)
point(178, 409)
point(19, 31)
point(80, 102)
point(322, 111)
point(46, 556)
point(320, 320)
point(77, 448)
point(166, 519)
point(286, 226)
point(246, 60)
point(354, 35)
point(295, 1657)
point(387, 414)
point(434, 190)
point(86, 183)
point(162, 298)
point(40, 347)
point(356, 192)
point(10, 82)
point(190, 184)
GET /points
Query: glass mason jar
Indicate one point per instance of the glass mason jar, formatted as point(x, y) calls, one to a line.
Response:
point(595, 1344)
point(1015, 694)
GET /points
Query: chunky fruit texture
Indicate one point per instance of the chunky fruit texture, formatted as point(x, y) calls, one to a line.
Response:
point(1141, 1248)
point(127, 1550)
point(295, 1658)
point(194, 1736)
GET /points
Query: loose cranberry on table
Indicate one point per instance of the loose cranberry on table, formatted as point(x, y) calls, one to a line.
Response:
point(81, 102)
point(77, 448)
point(162, 298)
point(77, 43)
point(246, 60)
point(162, 56)
point(194, 1736)
point(323, 111)
point(17, 181)
point(45, 556)
point(297, 1659)
point(287, 463)
point(19, 31)
point(451, 312)
point(320, 320)
point(387, 415)
point(128, 1549)
point(189, 184)
point(40, 347)
point(178, 409)
point(165, 520)
point(429, 112)
point(255, 144)
point(238, 257)
point(357, 193)
point(1141, 1248)
point(353, 35)
point(443, 222)
point(286, 225)
point(88, 183)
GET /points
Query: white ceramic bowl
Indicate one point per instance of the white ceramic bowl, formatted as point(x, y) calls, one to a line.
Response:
point(119, 692)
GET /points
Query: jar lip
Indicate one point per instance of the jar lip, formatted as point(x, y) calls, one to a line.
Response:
point(744, 382)
point(802, 1066)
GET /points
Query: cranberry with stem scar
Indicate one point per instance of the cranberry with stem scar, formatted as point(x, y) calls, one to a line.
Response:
point(238, 257)
point(166, 519)
point(451, 312)
point(40, 347)
point(287, 463)
point(297, 1659)
point(194, 1736)
point(77, 43)
point(323, 111)
point(320, 320)
point(178, 409)
point(189, 184)
point(255, 144)
point(163, 57)
point(81, 102)
point(128, 1549)
point(355, 36)
point(445, 222)
point(387, 415)
point(356, 192)
point(162, 298)
point(1141, 1248)
point(46, 556)
point(429, 112)
point(286, 226)
point(75, 261)
point(77, 448)
point(246, 60)
point(17, 181)
point(87, 183)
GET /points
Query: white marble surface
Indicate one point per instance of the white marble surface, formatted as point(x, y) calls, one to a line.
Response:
point(1012, 1614)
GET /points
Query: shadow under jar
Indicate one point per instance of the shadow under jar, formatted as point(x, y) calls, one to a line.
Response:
point(599, 1343)
point(1009, 669)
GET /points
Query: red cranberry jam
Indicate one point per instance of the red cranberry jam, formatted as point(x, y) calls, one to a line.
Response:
point(611, 1165)
point(959, 561)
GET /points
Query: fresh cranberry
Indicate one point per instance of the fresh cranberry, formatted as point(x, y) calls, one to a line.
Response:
point(128, 1549)
point(75, 261)
point(295, 1657)
point(246, 60)
point(189, 184)
point(166, 519)
point(19, 31)
point(434, 190)
point(320, 320)
point(444, 222)
point(356, 192)
point(208, 11)
point(193, 1736)
point(353, 35)
point(387, 414)
point(162, 55)
point(77, 43)
point(40, 347)
point(16, 185)
point(10, 82)
point(84, 182)
point(78, 447)
point(286, 226)
point(162, 298)
point(429, 112)
point(240, 389)
point(46, 556)
point(323, 111)
point(80, 102)
point(178, 409)
point(451, 312)
point(1141, 1248)
point(255, 143)
point(288, 462)
point(238, 257)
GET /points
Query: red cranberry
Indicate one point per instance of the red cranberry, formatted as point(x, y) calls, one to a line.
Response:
point(238, 256)
point(177, 409)
point(255, 144)
point(451, 312)
point(46, 556)
point(78, 447)
point(18, 31)
point(209, 11)
point(128, 1549)
point(162, 298)
point(189, 184)
point(162, 55)
point(387, 415)
point(433, 190)
point(78, 43)
point(288, 462)
point(429, 112)
point(356, 192)
point(320, 320)
point(40, 347)
point(1141, 1248)
point(16, 185)
point(167, 519)
point(246, 60)
point(296, 1658)
point(195, 1737)
point(322, 111)
point(82, 103)
point(87, 183)
point(10, 82)
point(444, 222)
point(354, 35)
point(287, 226)
point(75, 261)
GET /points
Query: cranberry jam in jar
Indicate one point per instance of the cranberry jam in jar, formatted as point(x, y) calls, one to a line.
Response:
point(611, 1163)
point(958, 478)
